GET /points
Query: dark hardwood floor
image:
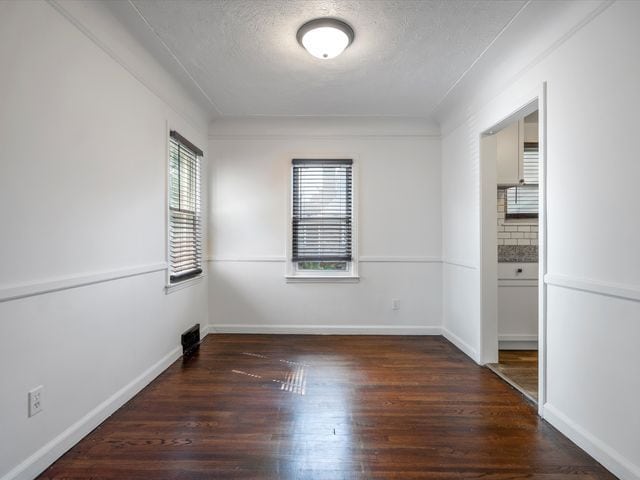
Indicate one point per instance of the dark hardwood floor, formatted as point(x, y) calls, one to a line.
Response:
point(326, 407)
point(520, 368)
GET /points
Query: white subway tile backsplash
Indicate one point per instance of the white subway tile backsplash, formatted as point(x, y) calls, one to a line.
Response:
point(518, 232)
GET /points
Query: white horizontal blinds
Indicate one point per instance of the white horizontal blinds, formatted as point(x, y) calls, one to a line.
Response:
point(522, 201)
point(322, 210)
point(185, 226)
point(530, 163)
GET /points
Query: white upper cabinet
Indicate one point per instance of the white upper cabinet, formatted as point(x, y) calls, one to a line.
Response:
point(510, 148)
point(530, 132)
point(508, 155)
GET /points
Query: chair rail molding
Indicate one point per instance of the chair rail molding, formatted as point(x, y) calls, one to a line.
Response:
point(609, 289)
point(74, 281)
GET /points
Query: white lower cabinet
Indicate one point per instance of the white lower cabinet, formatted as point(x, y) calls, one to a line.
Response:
point(518, 306)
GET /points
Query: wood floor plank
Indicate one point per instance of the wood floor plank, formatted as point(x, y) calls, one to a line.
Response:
point(519, 367)
point(326, 407)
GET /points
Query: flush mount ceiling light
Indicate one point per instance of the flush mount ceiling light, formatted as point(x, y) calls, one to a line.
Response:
point(325, 38)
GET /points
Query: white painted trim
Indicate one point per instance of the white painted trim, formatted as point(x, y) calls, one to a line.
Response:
point(489, 344)
point(363, 259)
point(355, 205)
point(84, 29)
point(479, 57)
point(510, 282)
point(64, 283)
point(460, 344)
point(617, 290)
point(506, 345)
point(322, 279)
point(326, 329)
point(542, 247)
point(399, 259)
point(603, 453)
point(175, 57)
point(204, 331)
point(277, 259)
point(460, 263)
point(474, 106)
point(518, 342)
point(174, 287)
point(50, 452)
point(518, 338)
point(267, 136)
point(169, 287)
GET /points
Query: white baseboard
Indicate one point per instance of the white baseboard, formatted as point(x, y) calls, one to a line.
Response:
point(603, 453)
point(518, 342)
point(49, 453)
point(509, 345)
point(326, 329)
point(461, 344)
point(205, 330)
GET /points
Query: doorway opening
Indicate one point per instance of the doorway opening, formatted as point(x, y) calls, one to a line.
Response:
point(512, 247)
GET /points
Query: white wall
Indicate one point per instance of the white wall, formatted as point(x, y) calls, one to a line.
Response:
point(399, 227)
point(83, 157)
point(592, 73)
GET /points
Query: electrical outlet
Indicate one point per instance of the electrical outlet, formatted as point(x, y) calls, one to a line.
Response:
point(35, 401)
point(395, 304)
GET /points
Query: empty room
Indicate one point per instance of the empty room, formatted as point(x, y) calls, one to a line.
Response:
point(319, 239)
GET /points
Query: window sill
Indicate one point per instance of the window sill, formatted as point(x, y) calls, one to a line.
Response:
point(174, 287)
point(521, 221)
point(322, 279)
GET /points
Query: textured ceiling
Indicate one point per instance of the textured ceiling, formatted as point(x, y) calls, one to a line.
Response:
point(243, 54)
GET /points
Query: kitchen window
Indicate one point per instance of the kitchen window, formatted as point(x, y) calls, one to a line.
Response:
point(522, 200)
point(322, 223)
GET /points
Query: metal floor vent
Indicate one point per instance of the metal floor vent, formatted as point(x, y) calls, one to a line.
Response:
point(191, 340)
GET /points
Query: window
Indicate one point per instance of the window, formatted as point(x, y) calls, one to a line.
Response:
point(522, 201)
point(322, 217)
point(185, 226)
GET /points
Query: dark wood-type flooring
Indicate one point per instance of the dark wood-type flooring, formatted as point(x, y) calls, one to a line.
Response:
point(326, 407)
point(520, 368)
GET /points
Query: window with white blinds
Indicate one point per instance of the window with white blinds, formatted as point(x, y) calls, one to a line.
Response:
point(185, 225)
point(530, 163)
point(522, 201)
point(322, 214)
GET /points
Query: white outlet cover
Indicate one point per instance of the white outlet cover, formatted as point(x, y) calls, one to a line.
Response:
point(35, 400)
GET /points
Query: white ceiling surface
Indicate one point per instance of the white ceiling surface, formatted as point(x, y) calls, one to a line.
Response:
point(241, 57)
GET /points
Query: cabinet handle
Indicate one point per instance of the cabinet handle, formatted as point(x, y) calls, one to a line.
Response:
point(519, 270)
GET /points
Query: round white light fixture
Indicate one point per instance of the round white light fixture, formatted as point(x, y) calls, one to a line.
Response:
point(325, 38)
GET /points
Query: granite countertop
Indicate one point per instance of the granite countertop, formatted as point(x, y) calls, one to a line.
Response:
point(518, 253)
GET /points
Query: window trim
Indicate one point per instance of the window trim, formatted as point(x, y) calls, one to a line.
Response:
point(292, 273)
point(194, 279)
